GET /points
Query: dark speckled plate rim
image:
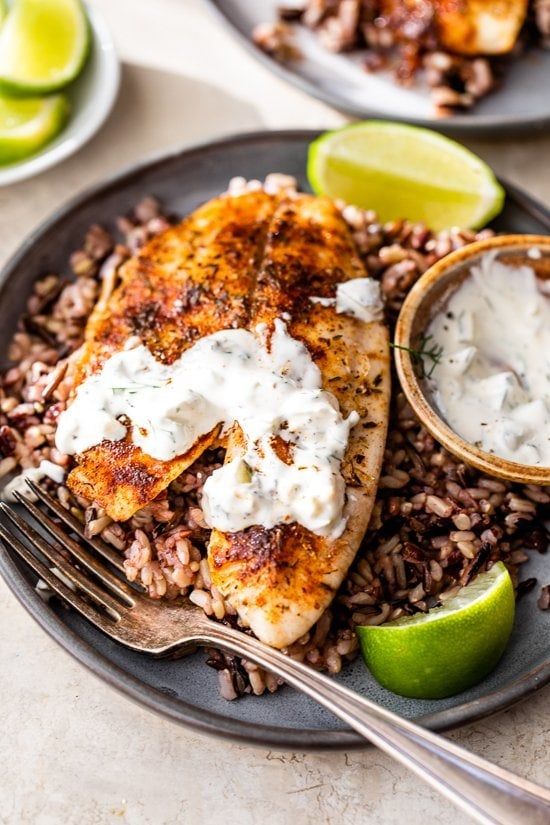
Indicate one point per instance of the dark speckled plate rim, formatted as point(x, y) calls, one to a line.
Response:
point(178, 710)
point(460, 125)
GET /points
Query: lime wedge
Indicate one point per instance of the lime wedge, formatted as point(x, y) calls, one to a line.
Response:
point(27, 124)
point(405, 172)
point(450, 648)
point(43, 46)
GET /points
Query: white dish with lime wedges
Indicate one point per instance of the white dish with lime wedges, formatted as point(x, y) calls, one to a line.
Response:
point(59, 77)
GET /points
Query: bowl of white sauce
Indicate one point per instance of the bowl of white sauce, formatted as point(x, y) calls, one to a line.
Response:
point(472, 351)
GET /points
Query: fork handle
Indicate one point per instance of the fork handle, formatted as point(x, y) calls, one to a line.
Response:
point(488, 793)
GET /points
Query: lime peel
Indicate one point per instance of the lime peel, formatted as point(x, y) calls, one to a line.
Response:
point(28, 124)
point(450, 648)
point(404, 171)
point(44, 45)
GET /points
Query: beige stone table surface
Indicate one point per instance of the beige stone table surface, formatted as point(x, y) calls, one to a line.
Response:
point(73, 752)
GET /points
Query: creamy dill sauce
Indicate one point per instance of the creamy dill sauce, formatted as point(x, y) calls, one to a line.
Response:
point(492, 383)
point(230, 376)
point(46, 469)
point(359, 297)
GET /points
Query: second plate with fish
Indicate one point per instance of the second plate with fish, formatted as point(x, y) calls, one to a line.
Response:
point(520, 103)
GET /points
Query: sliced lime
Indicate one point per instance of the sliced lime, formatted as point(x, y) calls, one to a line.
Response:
point(405, 172)
point(450, 648)
point(27, 124)
point(43, 46)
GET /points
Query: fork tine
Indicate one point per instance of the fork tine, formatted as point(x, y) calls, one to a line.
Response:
point(80, 553)
point(57, 559)
point(98, 544)
point(73, 599)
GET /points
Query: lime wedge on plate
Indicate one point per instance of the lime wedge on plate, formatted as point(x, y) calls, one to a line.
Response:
point(43, 46)
point(27, 124)
point(405, 172)
point(450, 648)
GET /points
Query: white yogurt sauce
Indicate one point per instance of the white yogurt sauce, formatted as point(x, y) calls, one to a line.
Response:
point(359, 297)
point(17, 484)
point(230, 376)
point(492, 383)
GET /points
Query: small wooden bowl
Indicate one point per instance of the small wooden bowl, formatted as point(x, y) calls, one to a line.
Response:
point(428, 296)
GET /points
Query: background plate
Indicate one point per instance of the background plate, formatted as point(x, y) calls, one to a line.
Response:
point(186, 690)
point(522, 104)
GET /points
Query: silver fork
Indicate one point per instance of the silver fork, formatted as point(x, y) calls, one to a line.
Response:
point(488, 793)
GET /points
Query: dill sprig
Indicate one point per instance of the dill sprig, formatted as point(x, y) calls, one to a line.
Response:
point(428, 350)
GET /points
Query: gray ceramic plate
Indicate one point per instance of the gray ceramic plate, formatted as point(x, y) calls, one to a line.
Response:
point(521, 104)
point(186, 690)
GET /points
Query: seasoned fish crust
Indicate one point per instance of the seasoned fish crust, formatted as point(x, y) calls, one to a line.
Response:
point(244, 262)
point(466, 27)
point(473, 27)
point(281, 580)
point(188, 282)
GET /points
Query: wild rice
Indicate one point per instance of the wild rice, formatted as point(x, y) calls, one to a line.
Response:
point(436, 523)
